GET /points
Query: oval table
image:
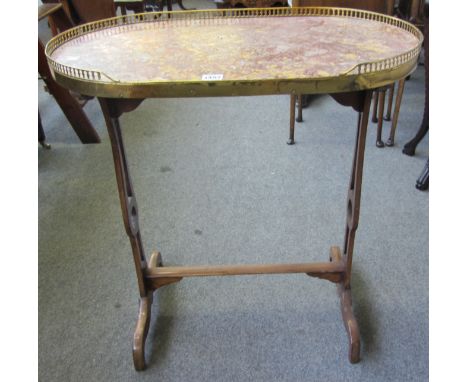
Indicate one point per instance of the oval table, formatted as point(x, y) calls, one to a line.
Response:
point(235, 52)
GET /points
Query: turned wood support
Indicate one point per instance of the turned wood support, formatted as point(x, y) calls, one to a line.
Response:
point(292, 115)
point(299, 108)
point(375, 102)
point(381, 105)
point(401, 87)
point(391, 93)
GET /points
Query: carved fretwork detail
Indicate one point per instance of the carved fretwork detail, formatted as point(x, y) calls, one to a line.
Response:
point(361, 103)
point(112, 109)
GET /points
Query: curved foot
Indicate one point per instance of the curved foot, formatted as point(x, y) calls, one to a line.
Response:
point(290, 142)
point(387, 118)
point(389, 143)
point(350, 323)
point(299, 119)
point(374, 120)
point(45, 145)
point(144, 318)
point(379, 144)
point(408, 150)
point(141, 331)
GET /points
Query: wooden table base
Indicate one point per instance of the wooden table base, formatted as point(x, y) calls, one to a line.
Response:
point(153, 275)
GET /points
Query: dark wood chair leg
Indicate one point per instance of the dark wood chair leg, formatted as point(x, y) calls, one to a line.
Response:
point(69, 105)
point(299, 108)
point(41, 134)
point(375, 100)
point(292, 115)
point(410, 147)
point(423, 181)
point(391, 92)
point(391, 138)
point(181, 6)
point(381, 102)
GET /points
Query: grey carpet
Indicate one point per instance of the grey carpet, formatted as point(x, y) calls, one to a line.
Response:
point(216, 183)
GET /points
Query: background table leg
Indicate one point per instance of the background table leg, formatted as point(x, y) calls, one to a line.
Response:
point(391, 138)
point(391, 93)
point(299, 108)
point(379, 143)
point(292, 115)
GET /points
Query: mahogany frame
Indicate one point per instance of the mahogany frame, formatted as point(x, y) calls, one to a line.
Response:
point(152, 275)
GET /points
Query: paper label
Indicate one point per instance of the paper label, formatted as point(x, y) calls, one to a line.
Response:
point(212, 77)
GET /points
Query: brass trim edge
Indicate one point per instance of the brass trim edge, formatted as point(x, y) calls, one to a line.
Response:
point(362, 76)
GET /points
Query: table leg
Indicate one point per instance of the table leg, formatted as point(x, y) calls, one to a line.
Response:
point(381, 103)
point(360, 103)
point(423, 181)
point(391, 138)
point(292, 115)
point(391, 92)
point(410, 147)
point(41, 134)
point(152, 275)
point(299, 108)
point(375, 102)
point(112, 109)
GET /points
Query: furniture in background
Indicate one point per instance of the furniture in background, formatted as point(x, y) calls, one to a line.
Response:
point(158, 5)
point(225, 4)
point(41, 134)
point(423, 181)
point(71, 107)
point(410, 10)
point(137, 6)
point(100, 74)
point(380, 6)
point(85, 11)
point(409, 149)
